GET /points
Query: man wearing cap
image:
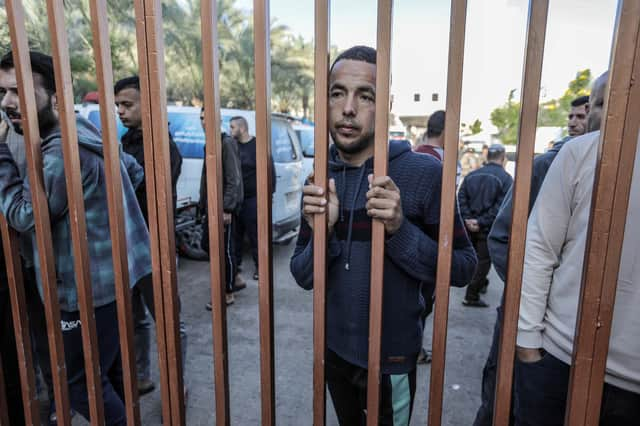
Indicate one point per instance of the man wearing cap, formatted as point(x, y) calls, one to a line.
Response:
point(480, 197)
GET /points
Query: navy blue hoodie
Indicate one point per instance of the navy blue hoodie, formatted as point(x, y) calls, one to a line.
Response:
point(410, 260)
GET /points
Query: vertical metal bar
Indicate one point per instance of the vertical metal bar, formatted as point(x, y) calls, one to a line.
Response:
point(537, 26)
point(214, 178)
point(19, 42)
point(321, 141)
point(612, 185)
point(262, 34)
point(75, 201)
point(104, 75)
point(145, 44)
point(380, 166)
point(447, 207)
point(10, 241)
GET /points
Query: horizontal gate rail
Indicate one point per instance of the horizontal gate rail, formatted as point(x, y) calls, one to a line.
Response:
point(612, 186)
point(447, 208)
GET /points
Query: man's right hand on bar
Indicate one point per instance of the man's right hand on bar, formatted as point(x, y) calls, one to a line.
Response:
point(528, 355)
point(314, 201)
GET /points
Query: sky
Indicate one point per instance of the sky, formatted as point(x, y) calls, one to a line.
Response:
point(579, 35)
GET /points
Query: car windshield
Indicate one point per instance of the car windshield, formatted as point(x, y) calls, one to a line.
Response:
point(306, 140)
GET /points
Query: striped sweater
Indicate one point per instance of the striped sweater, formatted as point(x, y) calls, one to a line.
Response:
point(410, 260)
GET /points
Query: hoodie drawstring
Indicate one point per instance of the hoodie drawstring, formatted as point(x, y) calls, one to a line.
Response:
point(353, 207)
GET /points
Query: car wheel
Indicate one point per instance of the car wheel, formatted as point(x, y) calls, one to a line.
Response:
point(189, 242)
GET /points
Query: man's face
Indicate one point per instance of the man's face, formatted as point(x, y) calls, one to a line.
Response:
point(10, 102)
point(596, 105)
point(128, 105)
point(578, 120)
point(352, 105)
point(235, 127)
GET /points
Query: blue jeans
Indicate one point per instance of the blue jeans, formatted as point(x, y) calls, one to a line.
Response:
point(541, 398)
point(110, 363)
point(143, 305)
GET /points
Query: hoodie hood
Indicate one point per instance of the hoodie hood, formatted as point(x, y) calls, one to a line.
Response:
point(89, 136)
point(396, 149)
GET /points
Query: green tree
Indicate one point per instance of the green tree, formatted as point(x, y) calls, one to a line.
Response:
point(550, 113)
point(505, 118)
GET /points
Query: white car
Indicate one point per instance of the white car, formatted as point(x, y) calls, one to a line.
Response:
point(186, 130)
point(305, 134)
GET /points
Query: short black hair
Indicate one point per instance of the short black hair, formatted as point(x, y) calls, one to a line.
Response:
point(242, 120)
point(435, 125)
point(582, 100)
point(357, 53)
point(132, 82)
point(41, 64)
point(495, 152)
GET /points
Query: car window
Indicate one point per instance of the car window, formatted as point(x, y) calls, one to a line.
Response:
point(187, 133)
point(306, 141)
point(282, 149)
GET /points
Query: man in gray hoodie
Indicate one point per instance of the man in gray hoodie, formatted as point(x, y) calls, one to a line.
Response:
point(551, 283)
point(16, 205)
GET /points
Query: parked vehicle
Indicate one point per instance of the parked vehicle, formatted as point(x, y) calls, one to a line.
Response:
point(305, 134)
point(186, 130)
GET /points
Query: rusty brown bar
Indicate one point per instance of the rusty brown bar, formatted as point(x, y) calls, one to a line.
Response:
point(262, 34)
point(75, 200)
point(104, 76)
point(19, 43)
point(447, 207)
point(10, 241)
point(536, 31)
point(380, 166)
point(148, 96)
point(612, 185)
point(321, 138)
point(213, 159)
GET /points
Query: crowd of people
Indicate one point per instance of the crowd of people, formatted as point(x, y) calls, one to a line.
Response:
point(406, 201)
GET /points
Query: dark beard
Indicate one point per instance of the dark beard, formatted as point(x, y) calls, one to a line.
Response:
point(358, 146)
point(47, 122)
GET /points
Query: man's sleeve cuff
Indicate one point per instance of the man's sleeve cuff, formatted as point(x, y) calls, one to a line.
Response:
point(529, 339)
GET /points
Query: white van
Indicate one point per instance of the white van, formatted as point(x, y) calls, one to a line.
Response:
point(186, 130)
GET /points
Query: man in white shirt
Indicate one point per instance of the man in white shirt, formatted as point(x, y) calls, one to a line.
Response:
point(555, 247)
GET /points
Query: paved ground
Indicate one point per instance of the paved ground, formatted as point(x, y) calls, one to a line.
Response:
point(468, 344)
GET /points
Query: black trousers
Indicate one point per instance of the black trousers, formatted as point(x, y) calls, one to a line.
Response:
point(541, 398)
point(348, 389)
point(247, 224)
point(229, 249)
point(479, 280)
point(484, 417)
point(9, 358)
point(110, 363)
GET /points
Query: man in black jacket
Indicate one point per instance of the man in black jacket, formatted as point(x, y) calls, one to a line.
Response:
point(127, 99)
point(480, 197)
point(232, 195)
point(498, 240)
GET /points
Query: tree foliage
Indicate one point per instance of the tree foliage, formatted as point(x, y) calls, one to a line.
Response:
point(291, 56)
point(550, 113)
